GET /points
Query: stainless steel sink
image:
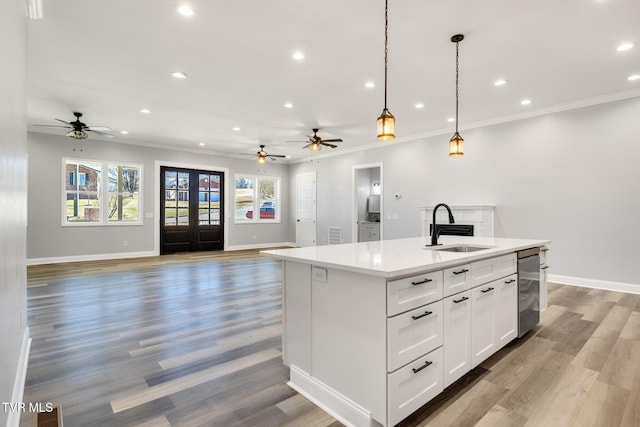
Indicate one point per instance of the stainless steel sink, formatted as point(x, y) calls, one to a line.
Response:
point(461, 248)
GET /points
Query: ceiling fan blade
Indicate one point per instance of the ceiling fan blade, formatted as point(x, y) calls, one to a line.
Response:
point(63, 122)
point(54, 126)
point(99, 128)
point(306, 146)
point(332, 140)
point(279, 156)
point(328, 145)
point(97, 132)
point(297, 141)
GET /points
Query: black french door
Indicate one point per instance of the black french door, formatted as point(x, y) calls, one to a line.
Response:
point(191, 210)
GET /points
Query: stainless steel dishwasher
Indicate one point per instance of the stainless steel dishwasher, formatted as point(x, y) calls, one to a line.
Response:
point(528, 290)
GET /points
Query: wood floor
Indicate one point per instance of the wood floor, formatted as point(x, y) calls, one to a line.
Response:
point(194, 340)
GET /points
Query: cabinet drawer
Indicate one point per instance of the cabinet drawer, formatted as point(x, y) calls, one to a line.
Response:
point(457, 279)
point(412, 292)
point(412, 334)
point(414, 385)
point(488, 270)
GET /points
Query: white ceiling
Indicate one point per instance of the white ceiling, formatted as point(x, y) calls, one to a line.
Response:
point(109, 59)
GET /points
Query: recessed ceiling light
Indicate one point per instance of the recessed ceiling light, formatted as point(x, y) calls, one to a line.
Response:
point(145, 111)
point(451, 119)
point(201, 144)
point(185, 10)
point(288, 105)
point(634, 77)
point(419, 105)
point(236, 128)
point(624, 46)
point(500, 82)
point(525, 102)
point(298, 56)
point(370, 84)
point(124, 132)
point(179, 75)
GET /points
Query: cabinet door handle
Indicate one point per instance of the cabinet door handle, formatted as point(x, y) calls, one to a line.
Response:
point(509, 281)
point(426, 313)
point(484, 291)
point(544, 268)
point(426, 364)
point(464, 270)
point(457, 301)
point(422, 282)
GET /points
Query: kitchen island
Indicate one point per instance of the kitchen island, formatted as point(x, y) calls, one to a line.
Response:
point(374, 330)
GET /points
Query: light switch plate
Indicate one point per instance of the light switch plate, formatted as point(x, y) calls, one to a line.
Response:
point(319, 274)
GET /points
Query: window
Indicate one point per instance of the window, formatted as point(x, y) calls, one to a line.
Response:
point(89, 199)
point(257, 199)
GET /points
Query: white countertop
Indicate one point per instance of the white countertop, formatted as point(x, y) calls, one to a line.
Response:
point(401, 257)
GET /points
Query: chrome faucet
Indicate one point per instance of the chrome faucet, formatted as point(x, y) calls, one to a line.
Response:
point(435, 232)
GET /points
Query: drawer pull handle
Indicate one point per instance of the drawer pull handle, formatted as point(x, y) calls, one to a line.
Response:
point(422, 282)
point(457, 301)
point(426, 313)
point(464, 270)
point(484, 291)
point(509, 281)
point(544, 268)
point(426, 364)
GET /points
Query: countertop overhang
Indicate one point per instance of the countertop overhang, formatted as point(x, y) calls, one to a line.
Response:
point(401, 257)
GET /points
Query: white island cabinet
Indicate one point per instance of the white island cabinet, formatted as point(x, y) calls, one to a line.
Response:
point(374, 330)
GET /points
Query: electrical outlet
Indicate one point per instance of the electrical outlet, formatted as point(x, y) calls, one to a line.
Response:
point(319, 274)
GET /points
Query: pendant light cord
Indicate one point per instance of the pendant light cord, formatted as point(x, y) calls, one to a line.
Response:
point(457, 71)
point(386, 48)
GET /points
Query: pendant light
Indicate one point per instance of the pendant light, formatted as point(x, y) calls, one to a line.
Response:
point(456, 143)
point(386, 121)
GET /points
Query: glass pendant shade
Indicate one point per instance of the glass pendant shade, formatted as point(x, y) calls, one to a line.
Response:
point(262, 159)
point(314, 146)
point(386, 126)
point(456, 145)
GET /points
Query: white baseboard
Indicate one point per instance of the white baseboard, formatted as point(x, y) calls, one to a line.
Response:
point(332, 402)
point(259, 246)
point(92, 257)
point(120, 255)
point(629, 288)
point(13, 419)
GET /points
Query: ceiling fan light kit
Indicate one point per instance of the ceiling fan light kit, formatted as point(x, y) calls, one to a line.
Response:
point(456, 143)
point(77, 134)
point(386, 121)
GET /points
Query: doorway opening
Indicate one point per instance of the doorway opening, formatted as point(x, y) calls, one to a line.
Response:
point(367, 203)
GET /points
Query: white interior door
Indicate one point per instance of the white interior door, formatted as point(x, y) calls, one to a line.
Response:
point(306, 209)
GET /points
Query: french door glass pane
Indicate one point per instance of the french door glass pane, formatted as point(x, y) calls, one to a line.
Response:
point(170, 180)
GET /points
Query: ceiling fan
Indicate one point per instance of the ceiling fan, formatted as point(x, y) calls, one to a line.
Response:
point(79, 130)
point(263, 156)
point(315, 142)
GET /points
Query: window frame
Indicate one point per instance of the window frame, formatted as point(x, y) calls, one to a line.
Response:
point(102, 192)
point(257, 201)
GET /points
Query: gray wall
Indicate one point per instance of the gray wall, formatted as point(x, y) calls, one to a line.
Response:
point(47, 238)
point(571, 177)
point(13, 175)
